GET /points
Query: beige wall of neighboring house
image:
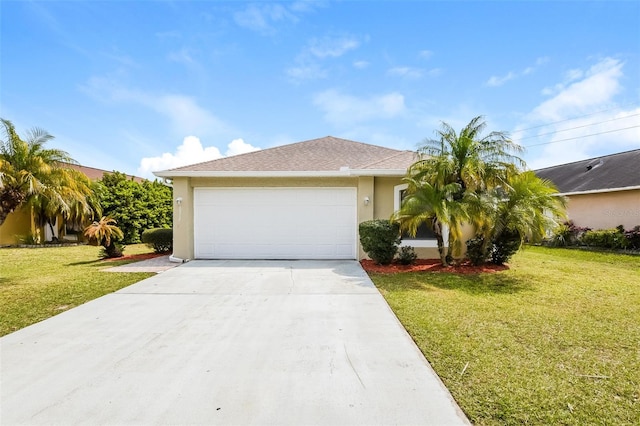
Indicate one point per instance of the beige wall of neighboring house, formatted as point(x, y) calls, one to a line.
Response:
point(605, 210)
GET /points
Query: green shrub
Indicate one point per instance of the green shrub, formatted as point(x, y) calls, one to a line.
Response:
point(407, 255)
point(380, 239)
point(567, 234)
point(606, 238)
point(633, 238)
point(476, 252)
point(160, 239)
point(505, 246)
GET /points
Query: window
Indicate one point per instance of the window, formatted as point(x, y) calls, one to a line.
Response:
point(424, 235)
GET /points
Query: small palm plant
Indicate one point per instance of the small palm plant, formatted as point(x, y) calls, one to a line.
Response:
point(105, 233)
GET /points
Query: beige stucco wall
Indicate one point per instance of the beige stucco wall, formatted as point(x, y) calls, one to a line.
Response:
point(379, 191)
point(17, 224)
point(605, 210)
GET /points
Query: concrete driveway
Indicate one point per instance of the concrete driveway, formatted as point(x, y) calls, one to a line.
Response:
point(225, 342)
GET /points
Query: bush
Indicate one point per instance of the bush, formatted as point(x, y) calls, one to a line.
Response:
point(160, 239)
point(476, 252)
point(380, 239)
point(505, 246)
point(633, 238)
point(606, 238)
point(567, 234)
point(407, 255)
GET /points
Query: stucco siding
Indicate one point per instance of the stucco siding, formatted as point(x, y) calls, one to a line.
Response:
point(16, 225)
point(379, 191)
point(605, 210)
point(384, 196)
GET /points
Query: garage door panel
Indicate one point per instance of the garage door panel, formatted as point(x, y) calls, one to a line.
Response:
point(275, 223)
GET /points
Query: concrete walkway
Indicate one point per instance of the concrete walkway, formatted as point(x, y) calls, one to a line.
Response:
point(156, 264)
point(225, 342)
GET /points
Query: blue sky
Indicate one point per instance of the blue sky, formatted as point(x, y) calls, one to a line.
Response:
point(138, 86)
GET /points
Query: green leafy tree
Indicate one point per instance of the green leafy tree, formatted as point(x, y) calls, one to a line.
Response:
point(136, 206)
point(32, 174)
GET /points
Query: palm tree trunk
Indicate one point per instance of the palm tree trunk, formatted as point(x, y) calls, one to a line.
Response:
point(112, 250)
point(437, 230)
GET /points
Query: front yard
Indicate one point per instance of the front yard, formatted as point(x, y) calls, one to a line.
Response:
point(554, 340)
point(38, 283)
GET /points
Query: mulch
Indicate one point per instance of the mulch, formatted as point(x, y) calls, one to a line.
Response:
point(137, 257)
point(431, 265)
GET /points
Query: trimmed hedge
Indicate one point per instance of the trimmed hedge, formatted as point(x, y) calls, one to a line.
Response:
point(160, 239)
point(380, 239)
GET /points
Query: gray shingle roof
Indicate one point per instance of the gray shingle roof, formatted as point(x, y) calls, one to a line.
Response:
point(325, 154)
point(620, 170)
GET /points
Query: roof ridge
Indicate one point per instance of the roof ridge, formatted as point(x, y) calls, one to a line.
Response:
point(397, 154)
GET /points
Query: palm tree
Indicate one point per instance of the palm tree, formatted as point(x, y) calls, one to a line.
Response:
point(473, 161)
point(446, 184)
point(105, 233)
point(525, 210)
point(434, 205)
point(32, 174)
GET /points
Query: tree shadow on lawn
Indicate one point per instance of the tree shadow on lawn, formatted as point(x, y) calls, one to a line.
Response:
point(474, 284)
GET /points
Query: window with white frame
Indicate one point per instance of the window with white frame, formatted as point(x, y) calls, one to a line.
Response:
point(424, 235)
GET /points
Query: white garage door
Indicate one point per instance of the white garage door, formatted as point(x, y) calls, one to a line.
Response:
point(275, 223)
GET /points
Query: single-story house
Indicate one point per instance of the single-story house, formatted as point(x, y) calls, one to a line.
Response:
point(298, 201)
point(602, 192)
point(22, 223)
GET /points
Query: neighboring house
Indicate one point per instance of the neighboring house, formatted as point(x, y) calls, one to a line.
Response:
point(298, 201)
point(602, 192)
point(21, 223)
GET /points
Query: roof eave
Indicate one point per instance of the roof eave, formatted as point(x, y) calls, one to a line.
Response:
point(600, 191)
point(287, 173)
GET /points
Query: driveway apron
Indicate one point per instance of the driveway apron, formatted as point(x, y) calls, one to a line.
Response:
point(225, 342)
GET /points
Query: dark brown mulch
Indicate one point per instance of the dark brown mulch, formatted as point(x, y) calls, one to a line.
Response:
point(143, 256)
point(431, 265)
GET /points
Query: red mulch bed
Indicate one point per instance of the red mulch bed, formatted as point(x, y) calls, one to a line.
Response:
point(430, 265)
point(143, 256)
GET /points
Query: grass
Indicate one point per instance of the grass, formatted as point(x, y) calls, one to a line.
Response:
point(553, 340)
point(38, 283)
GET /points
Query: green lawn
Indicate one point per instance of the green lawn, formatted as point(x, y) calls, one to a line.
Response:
point(37, 283)
point(553, 340)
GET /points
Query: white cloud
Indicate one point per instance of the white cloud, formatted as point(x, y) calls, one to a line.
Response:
point(425, 54)
point(308, 71)
point(239, 146)
point(332, 47)
point(185, 115)
point(406, 72)
point(496, 81)
point(317, 52)
point(360, 64)
point(582, 119)
point(341, 108)
point(262, 17)
point(600, 84)
point(190, 151)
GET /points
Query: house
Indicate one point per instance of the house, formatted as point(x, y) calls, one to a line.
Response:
point(21, 223)
point(602, 192)
point(298, 201)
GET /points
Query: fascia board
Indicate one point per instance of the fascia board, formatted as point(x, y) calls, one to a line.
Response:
point(600, 191)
